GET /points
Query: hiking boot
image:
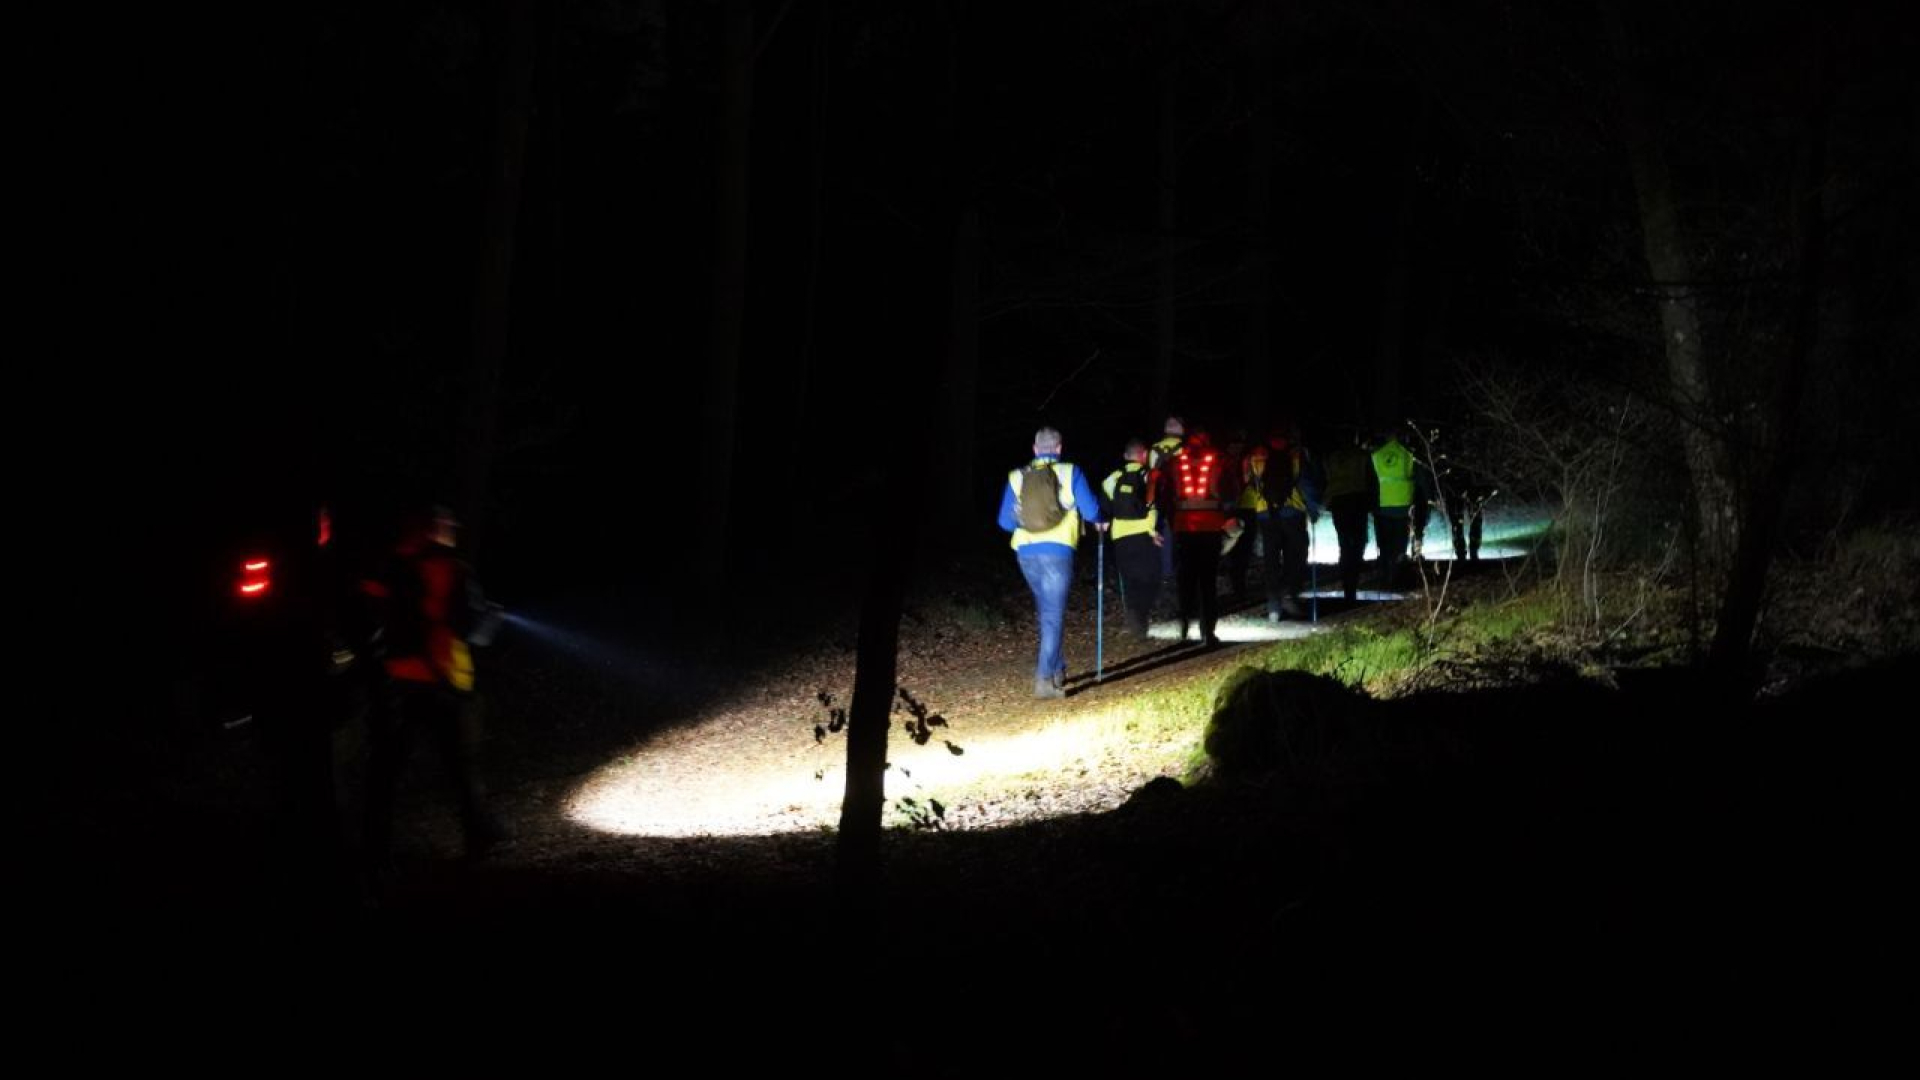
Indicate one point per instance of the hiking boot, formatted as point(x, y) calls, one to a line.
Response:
point(1044, 688)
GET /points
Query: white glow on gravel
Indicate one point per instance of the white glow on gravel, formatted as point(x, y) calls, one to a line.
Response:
point(710, 798)
point(685, 784)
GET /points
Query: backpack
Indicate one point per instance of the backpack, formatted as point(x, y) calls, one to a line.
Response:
point(1347, 471)
point(1131, 494)
point(1038, 503)
point(1275, 483)
point(470, 616)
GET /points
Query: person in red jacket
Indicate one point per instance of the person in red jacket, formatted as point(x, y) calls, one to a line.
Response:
point(429, 606)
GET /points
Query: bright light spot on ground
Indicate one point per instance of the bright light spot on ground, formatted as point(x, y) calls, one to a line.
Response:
point(1368, 595)
point(1509, 532)
point(713, 798)
point(684, 783)
point(1237, 629)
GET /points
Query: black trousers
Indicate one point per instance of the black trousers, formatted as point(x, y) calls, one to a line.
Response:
point(1139, 561)
point(1465, 514)
point(309, 854)
point(1272, 558)
point(1390, 534)
point(1196, 558)
point(1350, 525)
point(451, 720)
point(1292, 530)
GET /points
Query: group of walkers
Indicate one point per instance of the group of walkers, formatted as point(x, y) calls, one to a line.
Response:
point(1177, 507)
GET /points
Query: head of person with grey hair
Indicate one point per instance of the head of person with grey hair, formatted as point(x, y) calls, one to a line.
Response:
point(1046, 441)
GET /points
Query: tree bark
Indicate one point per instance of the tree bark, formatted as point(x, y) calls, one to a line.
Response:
point(876, 673)
point(926, 314)
point(1257, 279)
point(492, 321)
point(1709, 465)
point(1167, 220)
point(1730, 653)
point(816, 213)
point(1388, 407)
point(959, 384)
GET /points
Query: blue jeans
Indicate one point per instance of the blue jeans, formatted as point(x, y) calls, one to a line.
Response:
point(1048, 576)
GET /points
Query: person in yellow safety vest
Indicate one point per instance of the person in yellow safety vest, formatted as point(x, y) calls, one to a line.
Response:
point(1394, 465)
point(1159, 461)
point(1200, 521)
point(1296, 515)
point(1262, 490)
point(1043, 505)
point(1136, 535)
point(1279, 490)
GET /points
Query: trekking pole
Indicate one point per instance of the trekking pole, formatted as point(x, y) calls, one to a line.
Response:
point(1313, 576)
point(1100, 607)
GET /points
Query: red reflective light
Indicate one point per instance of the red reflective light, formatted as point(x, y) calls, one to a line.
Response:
point(254, 581)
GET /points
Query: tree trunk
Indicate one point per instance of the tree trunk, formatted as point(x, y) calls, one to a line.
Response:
point(925, 313)
point(1709, 465)
point(876, 669)
point(729, 306)
point(959, 383)
point(1165, 339)
point(492, 322)
point(816, 214)
point(1257, 274)
point(1732, 645)
point(553, 127)
point(1388, 407)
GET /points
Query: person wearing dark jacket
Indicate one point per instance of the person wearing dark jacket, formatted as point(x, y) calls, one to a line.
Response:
point(425, 592)
point(1132, 503)
point(1295, 517)
point(1159, 463)
point(1264, 489)
point(1352, 494)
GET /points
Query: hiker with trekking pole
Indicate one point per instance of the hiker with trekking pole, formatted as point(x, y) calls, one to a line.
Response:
point(1042, 506)
point(1137, 543)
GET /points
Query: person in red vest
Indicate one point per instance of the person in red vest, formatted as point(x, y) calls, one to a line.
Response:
point(1201, 517)
point(430, 610)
